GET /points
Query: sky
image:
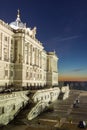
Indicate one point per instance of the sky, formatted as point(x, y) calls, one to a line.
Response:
point(61, 26)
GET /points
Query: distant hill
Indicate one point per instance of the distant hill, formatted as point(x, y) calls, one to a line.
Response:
point(79, 85)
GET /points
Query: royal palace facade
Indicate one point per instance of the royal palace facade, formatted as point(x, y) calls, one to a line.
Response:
point(23, 60)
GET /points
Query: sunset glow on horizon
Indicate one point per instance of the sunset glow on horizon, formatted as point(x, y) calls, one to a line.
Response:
point(67, 78)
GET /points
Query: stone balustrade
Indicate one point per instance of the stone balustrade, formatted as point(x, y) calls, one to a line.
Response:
point(10, 105)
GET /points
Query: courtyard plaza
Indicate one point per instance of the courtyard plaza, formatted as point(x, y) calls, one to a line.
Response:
point(64, 115)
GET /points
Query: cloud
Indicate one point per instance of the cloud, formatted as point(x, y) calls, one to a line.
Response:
point(68, 38)
point(78, 70)
point(63, 38)
point(61, 44)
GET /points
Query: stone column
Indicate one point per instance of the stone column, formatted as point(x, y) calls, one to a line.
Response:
point(16, 51)
point(28, 53)
point(37, 57)
point(9, 48)
point(49, 64)
point(34, 56)
point(22, 44)
point(41, 59)
point(2, 46)
point(31, 54)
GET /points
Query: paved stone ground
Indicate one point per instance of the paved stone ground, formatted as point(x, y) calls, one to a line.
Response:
point(64, 115)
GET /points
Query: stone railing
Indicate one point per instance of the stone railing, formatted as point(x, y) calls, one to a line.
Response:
point(37, 109)
point(10, 105)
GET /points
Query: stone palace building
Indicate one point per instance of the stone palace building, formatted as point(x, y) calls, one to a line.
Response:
point(23, 60)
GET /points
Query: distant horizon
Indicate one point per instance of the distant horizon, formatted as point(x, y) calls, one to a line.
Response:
point(72, 79)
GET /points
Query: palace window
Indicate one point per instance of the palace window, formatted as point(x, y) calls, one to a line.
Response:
point(41, 98)
point(6, 72)
point(26, 74)
point(45, 97)
point(11, 73)
point(3, 110)
point(14, 107)
point(5, 38)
